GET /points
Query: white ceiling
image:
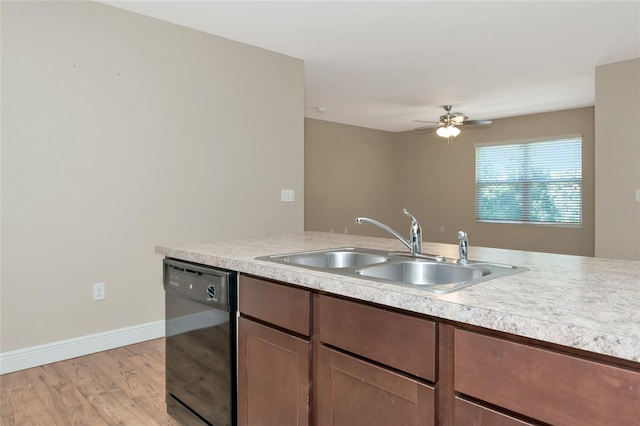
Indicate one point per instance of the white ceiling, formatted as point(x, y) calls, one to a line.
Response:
point(382, 64)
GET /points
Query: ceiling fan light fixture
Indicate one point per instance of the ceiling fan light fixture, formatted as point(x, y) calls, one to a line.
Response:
point(448, 131)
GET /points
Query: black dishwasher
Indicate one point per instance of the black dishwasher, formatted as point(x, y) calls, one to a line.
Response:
point(200, 309)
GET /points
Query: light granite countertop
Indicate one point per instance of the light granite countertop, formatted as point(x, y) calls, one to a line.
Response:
point(581, 302)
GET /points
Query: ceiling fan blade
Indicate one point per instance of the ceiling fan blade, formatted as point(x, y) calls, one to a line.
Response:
point(426, 121)
point(476, 122)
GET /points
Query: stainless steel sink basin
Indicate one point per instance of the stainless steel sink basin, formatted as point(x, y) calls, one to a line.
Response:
point(334, 258)
point(428, 272)
point(423, 273)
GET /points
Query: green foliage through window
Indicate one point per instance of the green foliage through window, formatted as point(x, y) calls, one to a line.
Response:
point(535, 182)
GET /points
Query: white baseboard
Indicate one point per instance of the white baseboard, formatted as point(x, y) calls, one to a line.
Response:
point(65, 349)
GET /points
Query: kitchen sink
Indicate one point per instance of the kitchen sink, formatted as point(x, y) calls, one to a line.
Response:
point(423, 273)
point(334, 258)
point(428, 272)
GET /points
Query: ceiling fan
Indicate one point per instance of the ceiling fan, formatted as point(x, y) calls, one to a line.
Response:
point(449, 122)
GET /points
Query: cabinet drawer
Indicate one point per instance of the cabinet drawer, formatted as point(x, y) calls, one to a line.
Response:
point(400, 341)
point(470, 414)
point(541, 384)
point(356, 393)
point(281, 305)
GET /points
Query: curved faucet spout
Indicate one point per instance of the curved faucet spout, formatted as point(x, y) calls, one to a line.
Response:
point(360, 220)
point(414, 244)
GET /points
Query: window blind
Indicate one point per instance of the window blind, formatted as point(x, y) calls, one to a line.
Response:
point(534, 182)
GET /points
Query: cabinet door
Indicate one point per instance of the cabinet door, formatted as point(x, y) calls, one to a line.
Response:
point(273, 377)
point(352, 392)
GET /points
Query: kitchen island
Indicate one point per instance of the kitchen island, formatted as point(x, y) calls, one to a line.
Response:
point(587, 307)
point(586, 303)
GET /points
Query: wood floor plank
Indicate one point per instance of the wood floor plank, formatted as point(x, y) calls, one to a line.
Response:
point(21, 405)
point(150, 366)
point(13, 380)
point(63, 401)
point(83, 370)
point(117, 408)
point(154, 405)
point(123, 373)
point(122, 386)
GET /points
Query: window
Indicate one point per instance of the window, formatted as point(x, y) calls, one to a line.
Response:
point(534, 182)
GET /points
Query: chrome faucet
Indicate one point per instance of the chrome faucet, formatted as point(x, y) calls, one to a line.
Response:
point(414, 244)
point(463, 247)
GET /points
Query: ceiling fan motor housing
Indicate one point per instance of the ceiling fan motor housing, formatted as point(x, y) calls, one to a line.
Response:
point(453, 117)
point(451, 120)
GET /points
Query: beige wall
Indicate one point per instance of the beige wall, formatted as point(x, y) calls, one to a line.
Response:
point(617, 124)
point(120, 132)
point(436, 181)
point(349, 172)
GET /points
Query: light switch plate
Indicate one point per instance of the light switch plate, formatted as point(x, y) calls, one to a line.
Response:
point(287, 195)
point(637, 194)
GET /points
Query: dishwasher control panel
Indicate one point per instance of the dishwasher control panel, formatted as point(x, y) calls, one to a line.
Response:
point(199, 283)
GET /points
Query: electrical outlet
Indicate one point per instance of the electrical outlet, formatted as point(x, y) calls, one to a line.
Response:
point(441, 228)
point(99, 291)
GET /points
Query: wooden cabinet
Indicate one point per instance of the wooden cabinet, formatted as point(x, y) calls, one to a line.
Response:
point(274, 369)
point(548, 386)
point(376, 390)
point(307, 358)
point(353, 392)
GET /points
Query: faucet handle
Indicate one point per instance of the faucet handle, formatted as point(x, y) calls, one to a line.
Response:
point(413, 219)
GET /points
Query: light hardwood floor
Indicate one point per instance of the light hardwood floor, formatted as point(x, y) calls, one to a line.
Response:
point(122, 386)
